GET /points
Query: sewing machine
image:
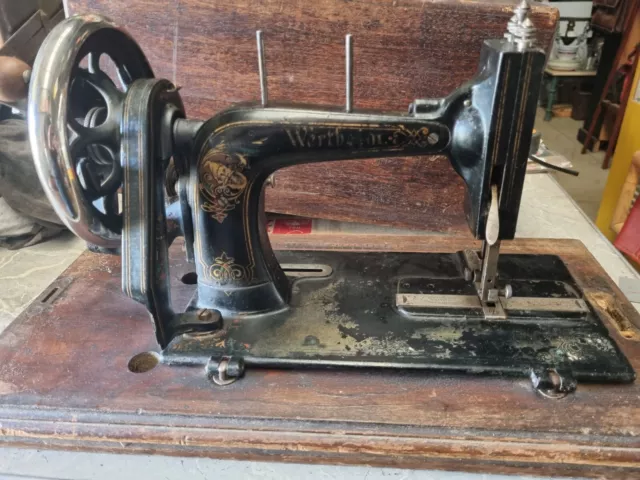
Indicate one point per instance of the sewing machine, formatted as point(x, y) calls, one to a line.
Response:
point(129, 173)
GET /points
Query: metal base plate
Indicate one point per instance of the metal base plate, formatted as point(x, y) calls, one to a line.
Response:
point(357, 317)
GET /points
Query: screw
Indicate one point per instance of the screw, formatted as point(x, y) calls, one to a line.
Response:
point(235, 367)
point(468, 274)
point(493, 295)
point(508, 291)
point(467, 103)
point(207, 315)
point(208, 318)
point(433, 138)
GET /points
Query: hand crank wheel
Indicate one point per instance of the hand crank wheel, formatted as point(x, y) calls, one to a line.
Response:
point(75, 109)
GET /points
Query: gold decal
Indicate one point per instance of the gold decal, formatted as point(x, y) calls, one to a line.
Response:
point(224, 270)
point(404, 136)
point(312, 137)
point(297, 136)
point(222, 182)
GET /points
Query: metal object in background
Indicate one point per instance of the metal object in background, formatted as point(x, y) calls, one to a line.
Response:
point(265, 317)
point(264, 97)
point(349, 74)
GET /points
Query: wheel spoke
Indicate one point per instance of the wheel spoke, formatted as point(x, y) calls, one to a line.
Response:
point(95, 187)
point(98, 155)
point(75, 126)
point(76, 146)
point(91, 185)
point(110, 203)
point(124, 76)
point(112, 183)
point(86, 136)
point(93, 60)
point(112, 222)
point(103, 84)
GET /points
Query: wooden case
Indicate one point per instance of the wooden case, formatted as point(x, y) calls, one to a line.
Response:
point(65, 383)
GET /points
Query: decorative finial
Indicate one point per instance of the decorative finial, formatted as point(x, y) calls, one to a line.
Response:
point(520, 29)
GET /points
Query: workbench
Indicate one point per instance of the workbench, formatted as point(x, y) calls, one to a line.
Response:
point(551, 78)
point(546, 212)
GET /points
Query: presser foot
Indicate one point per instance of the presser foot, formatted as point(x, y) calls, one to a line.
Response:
point(418, 312)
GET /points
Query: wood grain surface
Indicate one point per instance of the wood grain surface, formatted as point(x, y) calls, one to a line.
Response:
point(403, 50)
point(64, 383)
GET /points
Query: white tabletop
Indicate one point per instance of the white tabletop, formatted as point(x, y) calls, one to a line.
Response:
point(546, 212)
point(570, 73)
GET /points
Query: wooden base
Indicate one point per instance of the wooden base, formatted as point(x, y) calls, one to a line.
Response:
point(65, 383)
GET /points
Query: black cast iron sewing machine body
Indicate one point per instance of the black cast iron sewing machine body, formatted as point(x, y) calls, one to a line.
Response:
point(97, 146)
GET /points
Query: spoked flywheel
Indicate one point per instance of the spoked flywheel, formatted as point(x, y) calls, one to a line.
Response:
point(76, 95)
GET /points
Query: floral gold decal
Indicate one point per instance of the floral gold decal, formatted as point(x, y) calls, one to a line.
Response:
point(418, 137)
point(224, 270)
point(222, 182)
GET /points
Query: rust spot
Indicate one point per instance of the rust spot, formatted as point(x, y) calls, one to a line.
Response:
point(606, 303)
